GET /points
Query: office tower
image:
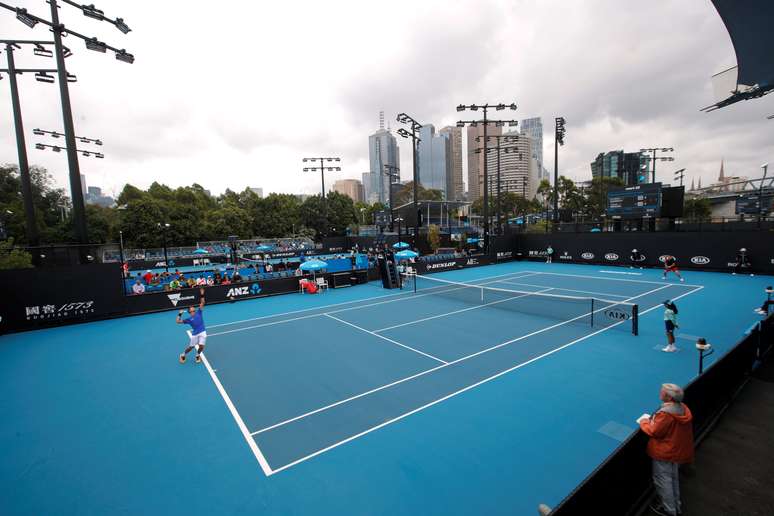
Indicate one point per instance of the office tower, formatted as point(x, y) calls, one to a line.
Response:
point(257, 191)
point(434, 161)
point(630, 167)
point(476, 161)
point(454, 135)
point(382, 150)
point(519, 171)
point(352, 188)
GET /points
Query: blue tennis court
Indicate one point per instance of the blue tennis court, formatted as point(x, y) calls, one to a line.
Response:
point(486, 390)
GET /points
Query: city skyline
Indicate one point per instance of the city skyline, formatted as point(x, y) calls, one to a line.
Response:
point(236, 129)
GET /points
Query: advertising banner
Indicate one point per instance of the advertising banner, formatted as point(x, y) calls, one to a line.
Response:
point(35, 298)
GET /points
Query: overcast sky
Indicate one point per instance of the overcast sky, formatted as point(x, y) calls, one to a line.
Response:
point(234, 94)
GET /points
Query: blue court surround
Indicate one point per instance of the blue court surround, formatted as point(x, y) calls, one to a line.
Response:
point(357, 405)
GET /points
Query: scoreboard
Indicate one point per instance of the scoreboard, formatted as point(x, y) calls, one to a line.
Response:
point(751, 204)
point(635, 202)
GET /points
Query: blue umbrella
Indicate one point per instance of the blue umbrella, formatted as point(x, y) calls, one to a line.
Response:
point(406, 255)
point(400, 245)
point(473, 240)
point(200, 251)
point(313, 265)
point(264, 248)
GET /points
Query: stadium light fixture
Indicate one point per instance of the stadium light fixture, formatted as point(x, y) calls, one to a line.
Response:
point(40, 146)
point(44, 77)
point(99, 155)
point(122, 26)
point(499, 107)
point(513, 123)
point(513, 107)
point(37, 132)
point(41, 51)
point(56, 148)
point(71, 78)
point(461, 107)
point(92, 12)
point(96, 45)
point(125, 57)
point(460, 124)
point(27, 19)
point(66, 52)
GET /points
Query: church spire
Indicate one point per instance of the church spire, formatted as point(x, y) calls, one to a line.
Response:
point(722, 176)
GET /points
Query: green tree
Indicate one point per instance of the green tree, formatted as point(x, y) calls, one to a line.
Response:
point(697, 209)
point(340, 211)
point(434, 236)
point(228, 220)
point(596, 194)
point(13, 258)
point(277, 215)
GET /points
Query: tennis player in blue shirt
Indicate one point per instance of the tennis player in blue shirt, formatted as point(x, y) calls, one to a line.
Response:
point(198, 331)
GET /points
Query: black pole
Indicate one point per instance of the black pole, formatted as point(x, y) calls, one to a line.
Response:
point(499, 220)
point(653, 178)
point(760, 196)
point(164, 236)
point(76, 192)
point(121, 255)
point(21, 147)
point(486, 188)
point(556, 174)
point(416, 182)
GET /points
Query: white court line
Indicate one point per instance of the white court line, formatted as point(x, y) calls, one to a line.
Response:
point(241, 424)
point(621, 272)
point(322, 313)
point(462, 359)
point(386, 338)
point(618, 279)
point(485, 380)
point(562, 289)
point(462, 310)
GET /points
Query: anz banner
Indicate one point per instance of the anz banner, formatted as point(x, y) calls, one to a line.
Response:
point(34, 298)
point(157, 301)
point(452, 264)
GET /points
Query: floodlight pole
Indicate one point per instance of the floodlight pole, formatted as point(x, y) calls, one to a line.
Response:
point(392, 171)
point(654, 150)
point(486, 121)
point(415, 126)
point(558, 140)
point(79, 209)
point(24, 168)
point(321, 168)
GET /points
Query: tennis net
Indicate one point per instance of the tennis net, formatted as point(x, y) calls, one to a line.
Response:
point(589, 311)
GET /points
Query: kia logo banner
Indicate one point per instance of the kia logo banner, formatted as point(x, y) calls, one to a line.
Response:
point(616, 315)
point(611, 257)
point(587, 256)
point(700, 260)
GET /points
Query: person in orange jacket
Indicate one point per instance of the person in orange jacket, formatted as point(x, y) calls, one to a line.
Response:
point(671, 444)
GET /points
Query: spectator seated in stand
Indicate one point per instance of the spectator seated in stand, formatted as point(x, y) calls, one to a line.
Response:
point(138, 287)
point(174, 284)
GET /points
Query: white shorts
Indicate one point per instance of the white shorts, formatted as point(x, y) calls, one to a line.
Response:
point(199, 339)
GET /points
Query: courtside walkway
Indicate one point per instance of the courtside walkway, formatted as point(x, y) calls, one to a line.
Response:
point(734, 469)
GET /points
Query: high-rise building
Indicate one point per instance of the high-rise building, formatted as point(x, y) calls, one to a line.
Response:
point(628, 166)
point(533, 127)
point(454, 135)
point(519, 171)
point(476, 161)
point(382, 150)
point(434, 161)
point(352, 188)
point(257, 191)
point(83, 186)
point(94, 191)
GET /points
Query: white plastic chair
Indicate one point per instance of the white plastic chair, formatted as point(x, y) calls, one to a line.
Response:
point(321, 283)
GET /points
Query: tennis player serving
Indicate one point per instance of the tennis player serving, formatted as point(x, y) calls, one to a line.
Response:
point(198, 331)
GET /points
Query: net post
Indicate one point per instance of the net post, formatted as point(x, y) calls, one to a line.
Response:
point(415, 282)
point(635, 320)
point(592, 312)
